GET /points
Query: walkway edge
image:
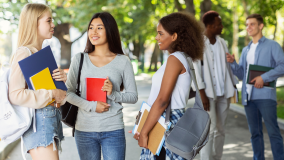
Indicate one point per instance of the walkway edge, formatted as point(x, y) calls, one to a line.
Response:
point(240, 109)
point(7, 149)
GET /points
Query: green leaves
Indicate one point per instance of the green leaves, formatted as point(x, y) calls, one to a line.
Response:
point(140, 17)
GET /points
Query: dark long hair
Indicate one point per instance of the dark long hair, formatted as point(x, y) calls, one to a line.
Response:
point(112, 33)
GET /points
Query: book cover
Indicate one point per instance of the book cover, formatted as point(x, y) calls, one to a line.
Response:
point(94, 89)
point(43, 80)
point(156, 135)
point(256, 70)
point(37, 62)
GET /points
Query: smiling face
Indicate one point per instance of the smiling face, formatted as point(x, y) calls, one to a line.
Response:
point(164, 38)
point(45, 27)
point(97, 32)
point(253, 27)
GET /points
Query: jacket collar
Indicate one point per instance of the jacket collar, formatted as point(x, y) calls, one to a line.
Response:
point(262, 39)
point(206, 39)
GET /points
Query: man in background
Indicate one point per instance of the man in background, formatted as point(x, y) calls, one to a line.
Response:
point(260, 102)
point(216, 84)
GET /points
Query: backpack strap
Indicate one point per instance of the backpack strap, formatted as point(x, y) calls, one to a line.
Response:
point(19, 48)
point(198, 102)
point(78, 92)
point(32, 112)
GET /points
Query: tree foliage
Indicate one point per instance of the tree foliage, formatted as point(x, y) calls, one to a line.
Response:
point(137, 19)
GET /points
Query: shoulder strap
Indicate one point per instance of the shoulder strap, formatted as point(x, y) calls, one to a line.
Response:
point(198, 102)
point(79, 75)
point(16, 52)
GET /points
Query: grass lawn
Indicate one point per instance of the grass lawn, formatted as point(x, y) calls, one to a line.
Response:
point(280, 101)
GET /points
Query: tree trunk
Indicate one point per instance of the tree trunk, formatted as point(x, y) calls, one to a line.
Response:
point(274, 34)
point(205, 6)
point(283, 42)
point(246, 14)
point(154, 58)
point(61, 32)
point(190, 6)
point(235, 34)
point(136, 50)
point(178, 5)
point(142, 55)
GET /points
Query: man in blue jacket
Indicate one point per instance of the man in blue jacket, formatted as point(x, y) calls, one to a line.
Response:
point(260, 102)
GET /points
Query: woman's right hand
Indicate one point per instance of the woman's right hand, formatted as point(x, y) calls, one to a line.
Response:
point(102, 107)
point(58, 95)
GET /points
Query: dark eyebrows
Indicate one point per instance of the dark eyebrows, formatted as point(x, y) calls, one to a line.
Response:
point(49, 18)
point(97, 25)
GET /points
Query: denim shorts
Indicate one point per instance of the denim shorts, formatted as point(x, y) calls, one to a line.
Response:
point(48, 129)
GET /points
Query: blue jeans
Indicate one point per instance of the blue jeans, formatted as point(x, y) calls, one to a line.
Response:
point(266, 109)
point(90, 144)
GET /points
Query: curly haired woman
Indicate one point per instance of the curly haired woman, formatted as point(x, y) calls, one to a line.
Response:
point(177, 33)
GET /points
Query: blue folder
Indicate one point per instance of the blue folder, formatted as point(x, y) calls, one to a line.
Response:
point(37, 62)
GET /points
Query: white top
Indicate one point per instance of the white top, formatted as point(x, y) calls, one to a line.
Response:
point(181, 91)
point(218, 79)
point(250, 60)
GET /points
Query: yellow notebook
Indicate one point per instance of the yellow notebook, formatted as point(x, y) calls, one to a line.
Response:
point(43, 80)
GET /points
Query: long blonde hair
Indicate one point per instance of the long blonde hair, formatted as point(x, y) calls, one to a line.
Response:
point(28, 23)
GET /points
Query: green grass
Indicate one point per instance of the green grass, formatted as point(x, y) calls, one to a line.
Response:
point(280, 101)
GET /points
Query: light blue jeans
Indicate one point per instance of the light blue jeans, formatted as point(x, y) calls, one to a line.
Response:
point(90, 144)
point(266, 109)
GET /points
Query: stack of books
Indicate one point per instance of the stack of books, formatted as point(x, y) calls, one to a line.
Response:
point(37, 70)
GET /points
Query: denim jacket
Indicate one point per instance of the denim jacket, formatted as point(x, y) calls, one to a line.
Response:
point(268, 53)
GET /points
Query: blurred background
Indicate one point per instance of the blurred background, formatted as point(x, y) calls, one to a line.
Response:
point(137, 20)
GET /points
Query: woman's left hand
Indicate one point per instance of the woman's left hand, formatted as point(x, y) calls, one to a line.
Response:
point(136, 135)
point(143, 140)
point(107, 86)
point(59, 75)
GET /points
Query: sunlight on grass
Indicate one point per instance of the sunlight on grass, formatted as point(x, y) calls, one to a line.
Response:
point(280, 102)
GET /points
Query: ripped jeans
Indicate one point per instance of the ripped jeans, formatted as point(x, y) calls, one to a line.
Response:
point(48, 129)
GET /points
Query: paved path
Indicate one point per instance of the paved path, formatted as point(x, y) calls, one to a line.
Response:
point(237, 142)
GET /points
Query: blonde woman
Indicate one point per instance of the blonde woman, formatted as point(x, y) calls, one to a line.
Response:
point(43, 140)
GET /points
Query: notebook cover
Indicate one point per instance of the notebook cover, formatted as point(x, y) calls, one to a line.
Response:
point(257, 70)
point(43, 80)
point(37, 62)
point(155, 135)
point(94, 89)
point(253, 74)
